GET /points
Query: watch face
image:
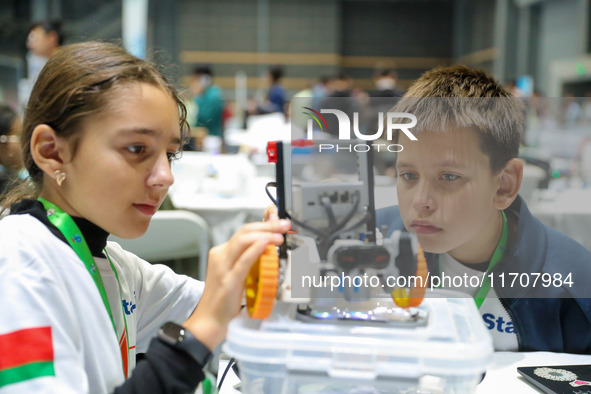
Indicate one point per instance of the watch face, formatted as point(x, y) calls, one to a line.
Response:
point(176, 336)
point(172, 333)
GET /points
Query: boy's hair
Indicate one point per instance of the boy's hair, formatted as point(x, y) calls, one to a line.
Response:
point(202, 69)
point(276, 73)
point(75, 83)
point(386, 72)
point(458, 96)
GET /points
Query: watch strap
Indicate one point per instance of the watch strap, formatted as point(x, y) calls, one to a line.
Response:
point(181, 338)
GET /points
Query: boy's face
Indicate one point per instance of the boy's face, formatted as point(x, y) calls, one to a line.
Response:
point(42, 43)
point(445, 191)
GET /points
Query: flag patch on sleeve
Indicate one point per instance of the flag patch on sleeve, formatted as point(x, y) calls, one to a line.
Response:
point(26, 354)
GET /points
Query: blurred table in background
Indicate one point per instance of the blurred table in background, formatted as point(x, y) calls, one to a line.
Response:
point(260, 129)
point(228, 190)
point(223, 189)
point(385, 194)
point(568, 211)
point(532, 175)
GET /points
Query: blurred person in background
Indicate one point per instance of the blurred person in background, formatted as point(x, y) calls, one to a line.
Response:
point(295, 112)
point(570, 111)
point(45, 37)
point(340, 86)
point(43, 40)
point(339, 97)
point(209, 103)
point(320, 90)
point(276, 97)
point(381, 99)
point(11, 163)
point(385, 81)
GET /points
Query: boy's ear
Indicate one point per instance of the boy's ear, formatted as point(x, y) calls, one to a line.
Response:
point(47, 149)
point(509, 184)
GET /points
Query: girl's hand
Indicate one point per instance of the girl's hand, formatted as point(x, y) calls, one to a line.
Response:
point(270, 213)
point(227, 268)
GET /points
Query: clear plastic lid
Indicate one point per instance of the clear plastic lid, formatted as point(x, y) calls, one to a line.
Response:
point(453, 342)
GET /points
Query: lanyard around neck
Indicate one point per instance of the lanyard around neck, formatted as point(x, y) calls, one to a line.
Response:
point(66, 225)
point(496, 257)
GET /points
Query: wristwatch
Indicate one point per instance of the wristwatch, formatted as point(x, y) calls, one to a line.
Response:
point(179, 337)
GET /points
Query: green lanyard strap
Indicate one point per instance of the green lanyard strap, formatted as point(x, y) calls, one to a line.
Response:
point(73, 235)
point(496, 257)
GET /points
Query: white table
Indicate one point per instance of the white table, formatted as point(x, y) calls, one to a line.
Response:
point(568, 211)
point(230, 381)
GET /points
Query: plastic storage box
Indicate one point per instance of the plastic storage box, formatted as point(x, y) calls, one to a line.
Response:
point(282, 355)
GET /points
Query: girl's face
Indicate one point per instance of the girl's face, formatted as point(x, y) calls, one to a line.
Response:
point(121, 172)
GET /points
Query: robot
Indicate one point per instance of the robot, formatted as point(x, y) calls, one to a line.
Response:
point(324, 313)
point(335, 264)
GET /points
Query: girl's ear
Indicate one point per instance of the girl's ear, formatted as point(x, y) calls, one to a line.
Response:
point(48, 150)
point(509, 183)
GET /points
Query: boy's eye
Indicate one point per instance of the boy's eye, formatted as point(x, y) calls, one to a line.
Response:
point(136, 149)
point(174, 155)
point(450, 177)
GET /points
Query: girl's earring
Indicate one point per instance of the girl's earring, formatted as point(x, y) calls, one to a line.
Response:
point(59, 177)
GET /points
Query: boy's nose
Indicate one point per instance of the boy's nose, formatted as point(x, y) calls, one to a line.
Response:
point(161, 173)
point(423, 200)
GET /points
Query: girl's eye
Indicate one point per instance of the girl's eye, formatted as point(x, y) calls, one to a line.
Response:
point(136, 149)
point(408, 176)
point(450, 177)
point(174, 155)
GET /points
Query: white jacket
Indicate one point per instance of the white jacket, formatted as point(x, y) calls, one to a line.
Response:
point(43, 283)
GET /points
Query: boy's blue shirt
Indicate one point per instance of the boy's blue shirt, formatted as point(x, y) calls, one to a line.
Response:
point(551, 318)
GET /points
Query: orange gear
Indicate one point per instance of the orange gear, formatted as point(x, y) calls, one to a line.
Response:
point(261, 284)
point(406, 298)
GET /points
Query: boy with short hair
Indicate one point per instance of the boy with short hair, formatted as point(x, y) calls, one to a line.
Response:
point(45, 37)
point(458, 191)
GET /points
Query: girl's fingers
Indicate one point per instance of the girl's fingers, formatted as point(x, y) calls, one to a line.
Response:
point(276, 226)
point(239, 245)
point(247, 259)
point(250, 233)
point(270, 213)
